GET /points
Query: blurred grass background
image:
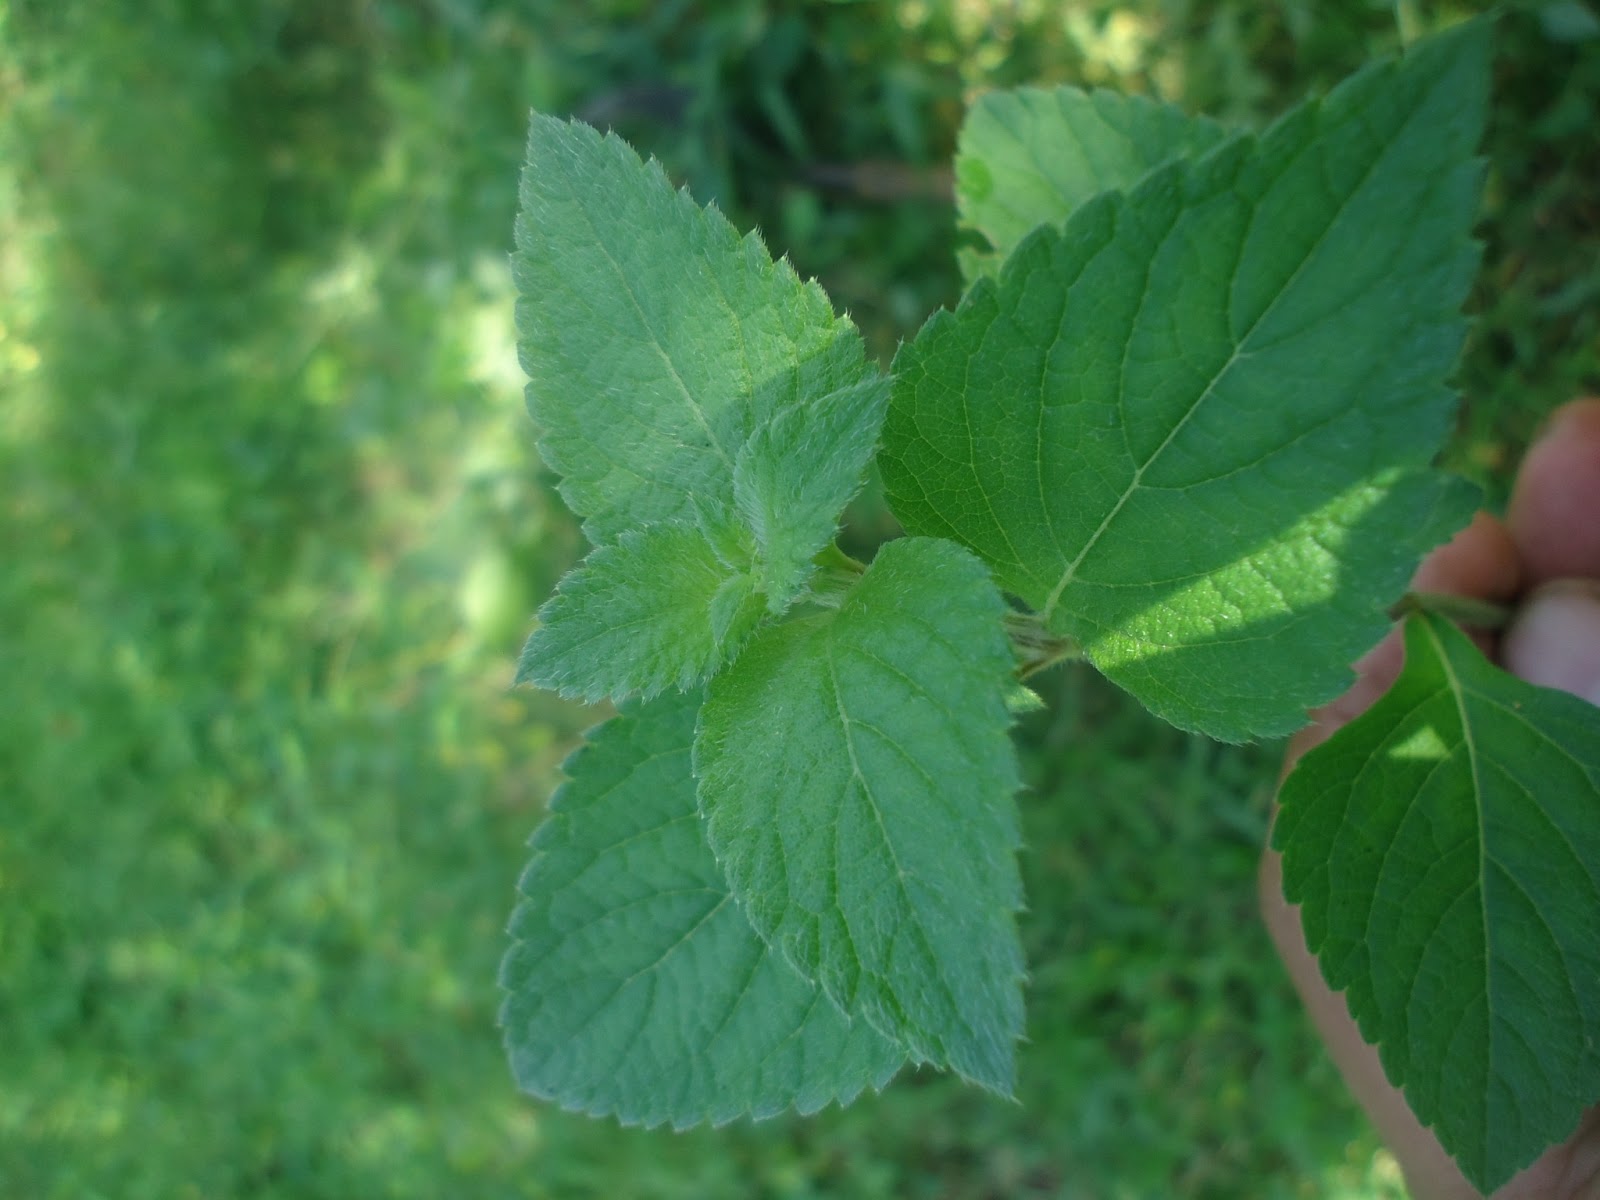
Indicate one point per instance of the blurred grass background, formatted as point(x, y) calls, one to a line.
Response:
point(272, 526)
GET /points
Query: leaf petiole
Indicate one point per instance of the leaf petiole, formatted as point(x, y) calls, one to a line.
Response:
point(836, 574)
point(1463, 610)
point(1036, 648)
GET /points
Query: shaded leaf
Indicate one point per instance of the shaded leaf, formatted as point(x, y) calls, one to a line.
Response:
point(655, 338)
point(1445, 847)
point(636, 987)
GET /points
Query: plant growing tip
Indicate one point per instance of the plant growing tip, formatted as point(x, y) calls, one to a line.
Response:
point(788, 866)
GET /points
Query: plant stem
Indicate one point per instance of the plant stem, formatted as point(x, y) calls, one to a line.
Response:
point(1035, 646)
point(1463, 610)
point(836, 574)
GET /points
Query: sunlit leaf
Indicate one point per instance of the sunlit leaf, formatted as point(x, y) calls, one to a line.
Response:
point(1192, 427)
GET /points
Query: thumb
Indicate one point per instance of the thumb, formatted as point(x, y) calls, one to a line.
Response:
point(1555, 640)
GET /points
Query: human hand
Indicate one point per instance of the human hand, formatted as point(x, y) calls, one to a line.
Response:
point(1544, 560)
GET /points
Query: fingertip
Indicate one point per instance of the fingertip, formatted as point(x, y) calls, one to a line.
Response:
point(1554, 516)
point(1555, 640)
point(1480, 561)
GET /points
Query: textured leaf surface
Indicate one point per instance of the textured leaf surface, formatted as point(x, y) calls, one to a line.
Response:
point(1192, 427)
point(1446, 849)
point(656, 339)
point(1031, 157)
point(680, 378)
point(795, 475)
point(857, 779)
point(661, 607)
point(636, 987)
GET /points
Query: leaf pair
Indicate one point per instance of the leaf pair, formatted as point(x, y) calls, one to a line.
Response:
point(1206, 459)
point(836, 895)
point(856, 780)
point(636, 986)
point(707, 412)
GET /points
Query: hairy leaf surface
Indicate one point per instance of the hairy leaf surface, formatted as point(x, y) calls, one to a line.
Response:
point(1445, 847)
point(661, 607)
point(795, 475)
point(678, 375)
point(1031, 157)
point(856, 776)
point(655, 338)
point(636, 987)
point(1192, 427)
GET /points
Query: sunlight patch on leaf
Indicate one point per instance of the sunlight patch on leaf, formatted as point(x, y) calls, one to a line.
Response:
point(1139, 421)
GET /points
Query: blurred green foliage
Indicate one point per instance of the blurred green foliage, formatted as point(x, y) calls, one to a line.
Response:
point(271, 527)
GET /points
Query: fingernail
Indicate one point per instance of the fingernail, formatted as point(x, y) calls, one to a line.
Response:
point(1555, 640)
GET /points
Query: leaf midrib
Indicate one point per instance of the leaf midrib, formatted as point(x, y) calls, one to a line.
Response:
point(1137, 482)
point(655, 339)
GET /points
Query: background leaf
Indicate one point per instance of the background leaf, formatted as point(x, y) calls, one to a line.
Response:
point(1445, 847)
point(1192, 427)
point(659, 607)
point(856, 778)
point(636, 986)
point(655, 338)
point(1032, 156)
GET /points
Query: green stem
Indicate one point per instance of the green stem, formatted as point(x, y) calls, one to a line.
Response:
point(836, 574)
point(831, 558)
point(1463, 610)
point(1035, 646)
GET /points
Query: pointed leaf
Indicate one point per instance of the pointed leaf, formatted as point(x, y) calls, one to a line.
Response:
point(636, 986)
point(795, 475)
point(1030, 157)
point(655, 338)
point(1192, 428)
point(856, 776)
point(1446, 848)
point(657, 608)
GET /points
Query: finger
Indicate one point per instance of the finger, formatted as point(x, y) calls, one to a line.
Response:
point(1555, 507)
point(1428, 1169)
point(1555, 639)
point(1481, 561)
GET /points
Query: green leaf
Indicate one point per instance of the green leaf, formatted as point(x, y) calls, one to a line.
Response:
point(660, 607)
point(795, 475)
point(636, 987)
point(1192, 427)
point(678, 375)
point(656, 339)
point(1445, 847)
point(856, 776)
point(1031, 157)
